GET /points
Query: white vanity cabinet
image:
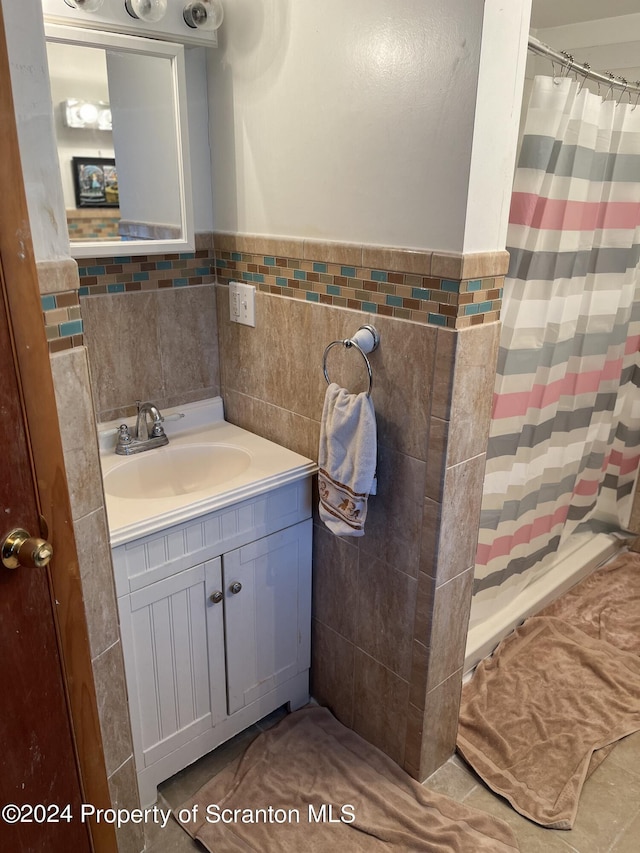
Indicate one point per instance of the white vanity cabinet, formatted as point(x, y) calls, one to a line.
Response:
point(215, 617)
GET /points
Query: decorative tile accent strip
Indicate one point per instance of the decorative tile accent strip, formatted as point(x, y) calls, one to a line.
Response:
point(126, 273)
point(456, 291)
point(406, 294)
point(93, 224)
point(62, 320)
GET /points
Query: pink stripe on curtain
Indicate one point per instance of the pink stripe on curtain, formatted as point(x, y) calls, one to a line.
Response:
point(563, 215)
point(505, 544)
point(540, 396)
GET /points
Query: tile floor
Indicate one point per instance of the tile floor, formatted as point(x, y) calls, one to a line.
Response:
point(608, 817)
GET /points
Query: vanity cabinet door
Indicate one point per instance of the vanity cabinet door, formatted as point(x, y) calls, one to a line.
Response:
point(267, 588)
point(173, 642)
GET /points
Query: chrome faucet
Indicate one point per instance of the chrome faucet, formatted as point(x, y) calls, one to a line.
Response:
point(143, 439)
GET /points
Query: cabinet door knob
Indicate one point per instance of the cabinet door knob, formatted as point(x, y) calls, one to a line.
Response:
point(235, 587)
point(216, 597)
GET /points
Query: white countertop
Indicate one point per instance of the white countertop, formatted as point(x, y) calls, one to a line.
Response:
point(271, 466)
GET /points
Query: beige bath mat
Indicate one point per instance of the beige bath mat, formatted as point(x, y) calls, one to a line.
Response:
point(534, 714)
point(310, 784)
point(606, 605)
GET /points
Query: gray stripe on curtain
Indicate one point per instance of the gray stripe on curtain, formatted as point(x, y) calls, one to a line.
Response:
point(574, 161)
point(534, 434)
point(516, 566)
point(515, 361)
point(514, 510)
point(548, 266)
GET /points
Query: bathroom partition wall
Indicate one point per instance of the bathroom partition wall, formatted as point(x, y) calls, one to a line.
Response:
point(564, 440)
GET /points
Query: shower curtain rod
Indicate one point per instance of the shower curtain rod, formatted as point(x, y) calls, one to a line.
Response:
point(567, 61)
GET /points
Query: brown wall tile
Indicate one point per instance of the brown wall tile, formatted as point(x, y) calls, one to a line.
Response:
point(123, 786)
point(96, 572)
point(460, 518)
point(333, 253)
point(485, 264)
point(451, 606)
point(78, 430)
point(335, 582)
point(158, 345)
point(402, 369)
point(57, 276)
point(394, 516)
point(402, 260)
point(333, 672)
point(380, 706)
point(472, 398)
point(440, 726)
point(443, 374)
point(113, 708)
point(386, 614)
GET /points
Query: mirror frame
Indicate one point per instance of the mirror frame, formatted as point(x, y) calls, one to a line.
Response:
point(149, 47)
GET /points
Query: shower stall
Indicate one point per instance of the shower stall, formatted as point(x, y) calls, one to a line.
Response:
point(564, 445)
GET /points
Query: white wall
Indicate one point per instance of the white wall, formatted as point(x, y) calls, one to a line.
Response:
point(77, 72)
point(503, 61)
point(355, 121)
point(30, 84)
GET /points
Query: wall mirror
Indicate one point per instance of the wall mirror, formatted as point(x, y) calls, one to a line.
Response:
point(119, 105)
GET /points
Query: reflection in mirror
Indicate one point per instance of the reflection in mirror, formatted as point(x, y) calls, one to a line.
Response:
point(120, 127)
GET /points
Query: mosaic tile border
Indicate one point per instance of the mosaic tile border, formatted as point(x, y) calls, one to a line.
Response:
point(455, 291)
point(441, 301)
point(62, 320)
point(128, 274)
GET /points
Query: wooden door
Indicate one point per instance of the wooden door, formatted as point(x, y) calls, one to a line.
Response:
point(50, 746)
point(37, 759)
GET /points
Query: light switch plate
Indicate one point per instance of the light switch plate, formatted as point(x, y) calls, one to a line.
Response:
point(242, 303)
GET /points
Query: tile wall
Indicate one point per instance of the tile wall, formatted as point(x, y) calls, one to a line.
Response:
point(78, 431)
point(390, 609)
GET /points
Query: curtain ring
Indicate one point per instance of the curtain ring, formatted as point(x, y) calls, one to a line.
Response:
point(637, 83)
point(610, 89)
point(624, 89)
point(587, 69)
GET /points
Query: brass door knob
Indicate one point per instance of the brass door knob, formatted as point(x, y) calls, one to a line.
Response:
point(20, 549)
point(216, 597)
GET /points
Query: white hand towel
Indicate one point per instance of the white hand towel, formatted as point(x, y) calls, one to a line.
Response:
point(347, 460)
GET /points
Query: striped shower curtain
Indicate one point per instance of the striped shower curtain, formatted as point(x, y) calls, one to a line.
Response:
point(565, 432)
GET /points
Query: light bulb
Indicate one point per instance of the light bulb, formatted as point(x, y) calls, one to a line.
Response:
point(204, 14)
point(85, 5)
point(146, 10)
point(88, 113)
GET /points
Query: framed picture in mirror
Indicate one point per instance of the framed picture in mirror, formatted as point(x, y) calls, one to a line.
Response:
point(95, 181)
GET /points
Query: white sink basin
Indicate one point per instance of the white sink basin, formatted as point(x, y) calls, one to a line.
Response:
point(171, 471)
point(208, 464)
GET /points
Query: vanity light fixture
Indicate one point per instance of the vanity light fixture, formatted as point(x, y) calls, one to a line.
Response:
point(85, 5)
point(146, 10)
point(86, 114)
point(203, 14)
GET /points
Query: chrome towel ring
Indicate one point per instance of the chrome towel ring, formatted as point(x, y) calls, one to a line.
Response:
point(365, 340)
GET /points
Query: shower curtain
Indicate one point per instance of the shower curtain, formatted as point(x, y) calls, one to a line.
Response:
point(565, 432)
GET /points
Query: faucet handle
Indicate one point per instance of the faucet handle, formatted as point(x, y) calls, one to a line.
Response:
point(157, 429)
point(124, 436)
